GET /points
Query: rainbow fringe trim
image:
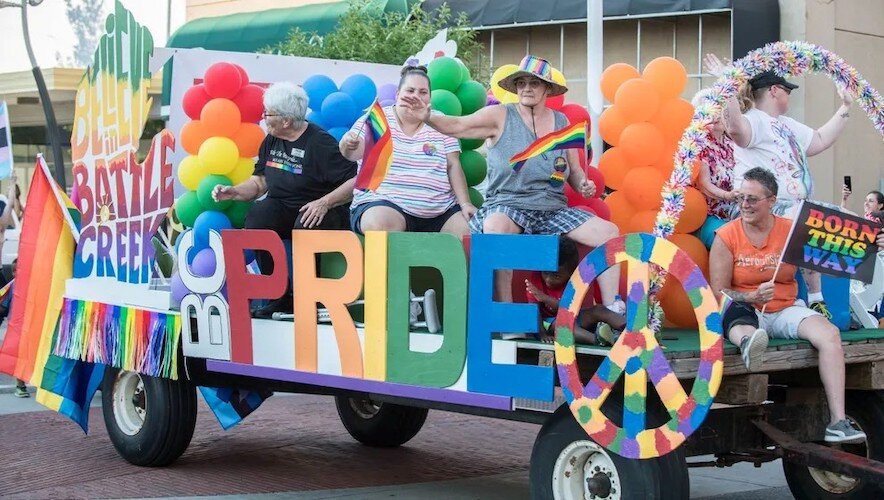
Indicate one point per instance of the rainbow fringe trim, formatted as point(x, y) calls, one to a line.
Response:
point(123, 337)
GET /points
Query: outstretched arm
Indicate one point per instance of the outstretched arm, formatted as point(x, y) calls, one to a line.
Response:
point(738, 127)
point(825, 136)
point(483, 124)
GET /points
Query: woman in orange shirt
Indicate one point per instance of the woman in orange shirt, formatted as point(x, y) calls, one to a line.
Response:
point(742, 262)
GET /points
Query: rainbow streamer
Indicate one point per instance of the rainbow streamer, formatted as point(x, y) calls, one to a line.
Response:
point(123, 337)
point(783, 58)
point(378, 150)
point(570, 137)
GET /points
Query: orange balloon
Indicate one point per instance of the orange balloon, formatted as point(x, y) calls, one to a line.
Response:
point(613, 166)
point(621, 210)
point(614, 76)
point(642, 222)
point(642, 144)
point(694, 248)
point(611, 125)
point(666, 162)
point(192, 136)
point(694, 214)
point(638, 100)
point(248, 139)
point(642, 186)
point(673, 117)
point(668, 75)
point(677, 307)
point(221, 117)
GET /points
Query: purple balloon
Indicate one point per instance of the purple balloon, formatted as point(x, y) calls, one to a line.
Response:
point(178, 289)
point(387, 102)
point(204, 263)
point(492, 100)
point(387, 92)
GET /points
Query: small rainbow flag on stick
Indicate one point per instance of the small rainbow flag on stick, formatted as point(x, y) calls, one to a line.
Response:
point(570, 137)
point(378, 150)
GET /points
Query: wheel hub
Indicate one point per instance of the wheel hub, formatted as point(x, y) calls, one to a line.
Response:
point(599, 485)
point(584, 470)
point(129, 402)
point(834, 482)
point(365, 408)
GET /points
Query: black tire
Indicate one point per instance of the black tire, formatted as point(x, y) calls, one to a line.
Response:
point(633, 479)
point(385, 425)
point(675, 482)
point(866, 408)
point(168, 417)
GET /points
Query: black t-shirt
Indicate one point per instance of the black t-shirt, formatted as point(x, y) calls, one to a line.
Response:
point(298, 172)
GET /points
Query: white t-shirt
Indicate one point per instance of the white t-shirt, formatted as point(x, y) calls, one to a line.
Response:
point(780, 146)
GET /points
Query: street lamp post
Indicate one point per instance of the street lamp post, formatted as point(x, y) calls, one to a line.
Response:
point(51, 124)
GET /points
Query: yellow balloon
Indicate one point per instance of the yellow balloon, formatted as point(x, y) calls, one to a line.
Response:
point(559, 78)
point(499, 93)
point(218, 155)
point(244, 169)
point(191, 172)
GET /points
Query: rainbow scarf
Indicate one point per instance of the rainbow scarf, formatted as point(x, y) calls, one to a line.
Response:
point(378, 150)
point(570, 137)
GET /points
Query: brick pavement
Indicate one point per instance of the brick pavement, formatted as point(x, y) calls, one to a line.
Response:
point(292, 443)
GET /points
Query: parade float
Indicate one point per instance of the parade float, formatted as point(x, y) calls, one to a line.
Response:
point(140, 285)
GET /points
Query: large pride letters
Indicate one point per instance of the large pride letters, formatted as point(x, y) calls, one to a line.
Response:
point(833, 242)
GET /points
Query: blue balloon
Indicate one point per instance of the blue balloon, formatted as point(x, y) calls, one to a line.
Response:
point(210, 220)
point(339, 110)
point(361, 88)
point(338, 132)
point(318, 87)
point(706, 233)
point(315, 118)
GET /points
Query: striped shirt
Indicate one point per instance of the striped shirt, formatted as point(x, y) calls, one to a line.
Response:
point(417, 180)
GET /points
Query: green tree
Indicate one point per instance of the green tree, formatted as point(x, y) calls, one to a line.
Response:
point(364, 34)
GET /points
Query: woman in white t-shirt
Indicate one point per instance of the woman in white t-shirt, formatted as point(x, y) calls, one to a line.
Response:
point(425, 189)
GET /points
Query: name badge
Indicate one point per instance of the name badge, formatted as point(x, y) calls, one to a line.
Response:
point(297, 153)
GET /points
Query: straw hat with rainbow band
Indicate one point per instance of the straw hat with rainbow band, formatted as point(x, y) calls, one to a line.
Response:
point(536, 67)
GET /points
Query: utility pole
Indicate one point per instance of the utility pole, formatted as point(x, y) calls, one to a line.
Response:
point(594, 63)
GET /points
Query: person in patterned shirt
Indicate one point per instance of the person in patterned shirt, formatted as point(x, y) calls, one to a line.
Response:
point(716, 179)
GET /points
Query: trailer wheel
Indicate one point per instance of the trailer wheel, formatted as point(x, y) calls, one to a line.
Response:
point(385, 425)
point(866, 409)
point(149, 420)
point(566, 464)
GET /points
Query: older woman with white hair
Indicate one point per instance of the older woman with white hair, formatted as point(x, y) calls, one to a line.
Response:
point(307, 181)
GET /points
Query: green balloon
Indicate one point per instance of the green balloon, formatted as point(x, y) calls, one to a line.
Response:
point(474, 167)
point(472, 97)
point(445, 102)
point(237, 211)
point(469, 144)
point(332, 265)
point(464, 72)
point(444, 73)
point(204, 192)
point(476, 197)
point(187, 208)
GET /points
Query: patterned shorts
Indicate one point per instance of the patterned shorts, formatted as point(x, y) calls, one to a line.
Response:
point(534, 221)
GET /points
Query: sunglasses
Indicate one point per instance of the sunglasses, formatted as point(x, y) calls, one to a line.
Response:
point(787, 90)
point(750, 200)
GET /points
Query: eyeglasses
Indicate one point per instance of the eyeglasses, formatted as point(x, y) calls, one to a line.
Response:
point(268, 115)
point(787, 90)
point(750, 200)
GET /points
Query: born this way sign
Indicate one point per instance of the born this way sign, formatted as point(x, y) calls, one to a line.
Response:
point(833, 242)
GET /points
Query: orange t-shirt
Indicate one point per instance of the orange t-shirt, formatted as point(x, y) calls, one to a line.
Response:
point(755, 265)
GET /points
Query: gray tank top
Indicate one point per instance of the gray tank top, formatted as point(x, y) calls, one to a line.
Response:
point(534, 187)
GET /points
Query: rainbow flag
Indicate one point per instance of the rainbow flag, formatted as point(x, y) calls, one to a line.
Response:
point(570, 137)
point(378, 150)
point(45, 262)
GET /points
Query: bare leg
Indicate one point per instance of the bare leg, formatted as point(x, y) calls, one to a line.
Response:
point(498, 223)
point(381, 218)
point(826, 338)
point(740, 332)
point(595, 314)
point(457, 225)
point(593, 233)
point(813, 280)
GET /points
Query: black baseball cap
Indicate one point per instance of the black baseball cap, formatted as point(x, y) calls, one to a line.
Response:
point(769, 79)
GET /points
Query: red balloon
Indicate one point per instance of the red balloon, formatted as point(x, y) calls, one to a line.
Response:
point(250, 101)
point(575, 113)
point(599, 208)
point(223, 80)
point(598, 178)
point(555, 102)
point(244, 77)
point(194, 99)
point(574, 198)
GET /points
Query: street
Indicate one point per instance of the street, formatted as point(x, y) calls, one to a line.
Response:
point(295, 447)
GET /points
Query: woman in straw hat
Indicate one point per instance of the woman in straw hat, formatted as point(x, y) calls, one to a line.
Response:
point(529, 200)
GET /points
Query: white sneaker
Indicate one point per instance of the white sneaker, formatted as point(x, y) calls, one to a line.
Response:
point(752, 349)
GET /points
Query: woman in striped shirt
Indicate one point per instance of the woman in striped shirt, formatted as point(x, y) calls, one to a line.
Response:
point(424, 188)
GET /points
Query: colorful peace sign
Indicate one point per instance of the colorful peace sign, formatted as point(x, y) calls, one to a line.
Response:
point(636, 355)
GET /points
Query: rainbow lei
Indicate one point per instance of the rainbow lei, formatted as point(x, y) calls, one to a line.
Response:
point(783, 58)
